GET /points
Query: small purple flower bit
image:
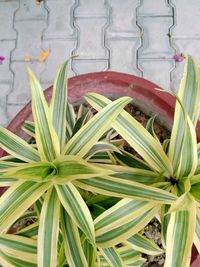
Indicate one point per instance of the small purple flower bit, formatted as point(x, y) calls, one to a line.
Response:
point(179, 58)
point(2, 59)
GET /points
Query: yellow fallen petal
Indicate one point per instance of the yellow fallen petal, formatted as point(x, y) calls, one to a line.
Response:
point(44, 55)
point(27, 59)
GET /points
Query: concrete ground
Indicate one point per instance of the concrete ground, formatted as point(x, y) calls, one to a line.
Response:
point(139, 37)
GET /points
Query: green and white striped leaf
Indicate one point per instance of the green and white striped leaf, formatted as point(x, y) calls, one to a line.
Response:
point(90, 253)
point(140, 243)
point(61, 257)
point(17, 199)
point(30, 231)
point(11, 159)
point(150, 128)
point(165, 217)
point(121, 213)
point(180, 234)
point(38, 172)
point(119, 187)
point(4, 182)
point(197, 231)
point(136, 135)
point(72, 243)
point(195, 187)
point(112, 257)
point(123, 232)
point(129, 255)
point(38, 206)
point(48, 230)
point(4, 165)
point(138, 263)
point(69, 168)
point(17, 147)
point(188, 158)
point(45, 134)
point(10, 261)
point(139, 175)
point(19, 248)
point(127, 159)
point(101, 147)
point(29, 128)
point(189, 95)
point(91, 132)
point(85, 117)
point(70, 116)
point(77, 209)
point(58, 104)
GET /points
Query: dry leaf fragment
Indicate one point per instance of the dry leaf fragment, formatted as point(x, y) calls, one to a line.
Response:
point(27, 59)
point(44, 55)
point(38, 2)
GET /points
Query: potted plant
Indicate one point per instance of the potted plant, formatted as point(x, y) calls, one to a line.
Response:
point(57, 175)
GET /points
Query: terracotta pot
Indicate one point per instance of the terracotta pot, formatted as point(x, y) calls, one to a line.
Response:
point(113, 84)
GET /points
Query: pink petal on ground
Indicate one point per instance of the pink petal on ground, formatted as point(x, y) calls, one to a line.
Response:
point(179, 58)
point(2, 59)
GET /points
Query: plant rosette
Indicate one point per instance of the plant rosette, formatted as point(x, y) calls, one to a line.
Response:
point(57, 173)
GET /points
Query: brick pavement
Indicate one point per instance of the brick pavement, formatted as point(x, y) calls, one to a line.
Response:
point(132, 36)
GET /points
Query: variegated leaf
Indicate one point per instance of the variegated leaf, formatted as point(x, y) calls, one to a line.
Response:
point(136, 135)
point(189, 95)
point(77, 209)
point(16, 248)
point(180, 233)
point(119, 187)
point(17, 199)
point(197, 231)
point(58, 104)
point(17, 147)
point(45, 134)
point(48, 230)
point(142, 244)
point(112, 257)
point(91, 132)
point(72, 243)
point(124, 231)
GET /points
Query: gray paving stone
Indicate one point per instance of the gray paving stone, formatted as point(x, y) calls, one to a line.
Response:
point(157, 71)
point(154, 8)
point(29, 39)
point(188, 46)
point(3, 116)
point(187, 18)
point(177, 74)
point(12, 111)
point(91, 38)
point(61, 50)
point(21, 93)
point(4, 91)
point(59, 21)
point(6, 46)
point(91, 8)
point(123, 19)
point(155, 37)
point(87, 66)
point(125, 61)
point(7, 10)
point(29, 10)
